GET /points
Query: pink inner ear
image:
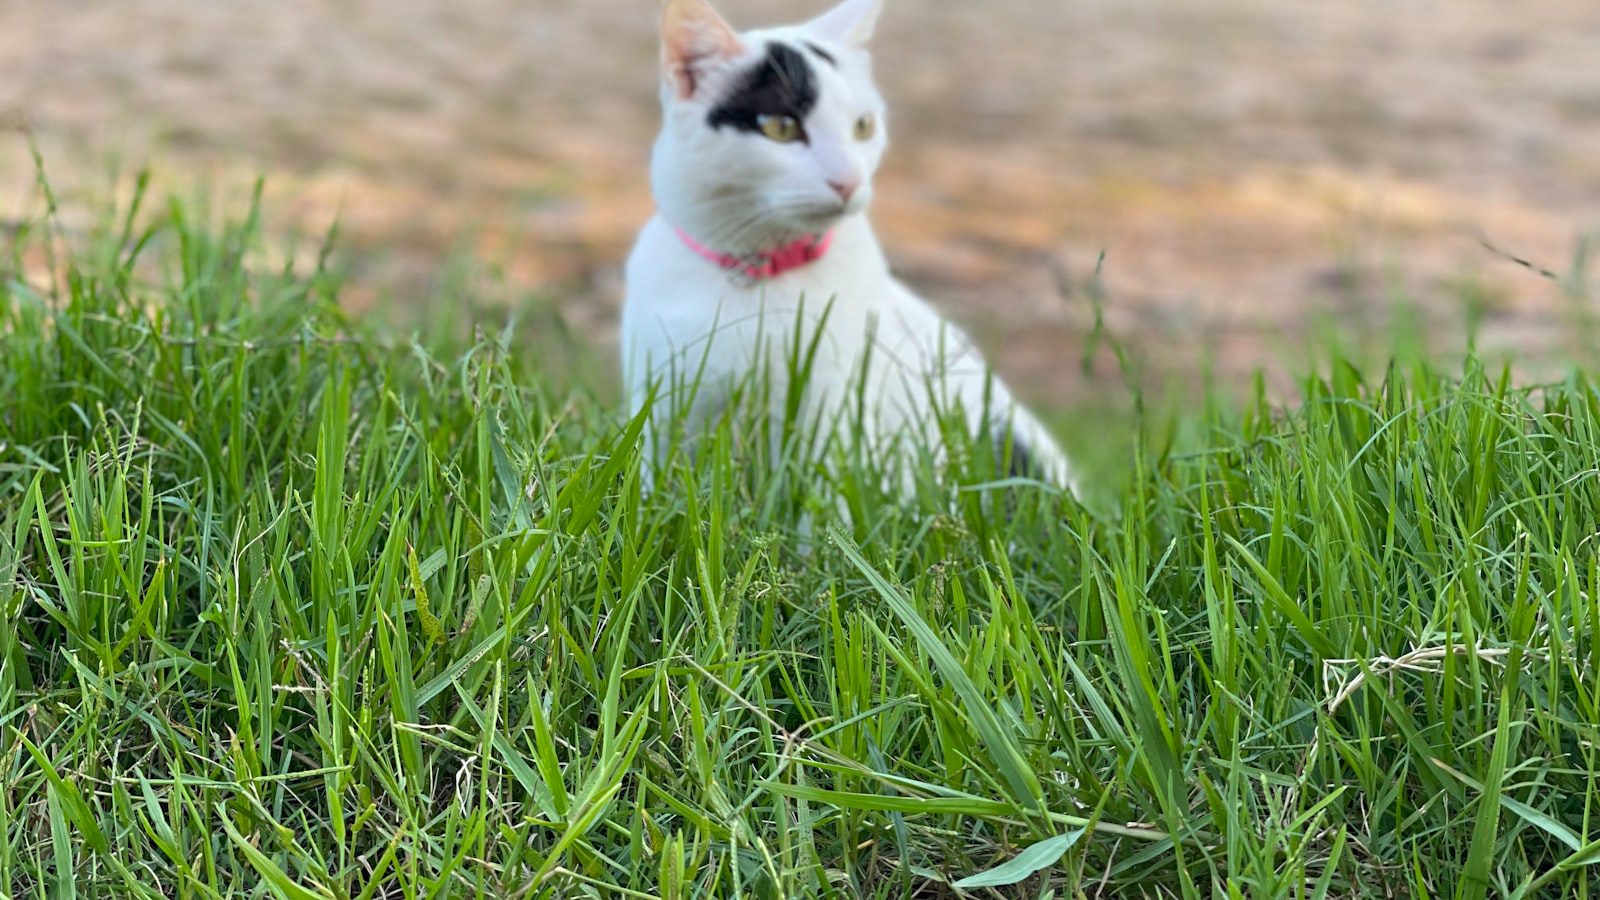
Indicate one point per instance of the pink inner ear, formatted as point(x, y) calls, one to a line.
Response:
point(685, 72)
point(692, 64)
point(693, 40)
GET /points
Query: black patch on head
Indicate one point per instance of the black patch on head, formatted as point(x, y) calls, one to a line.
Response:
point(783, 84)
point(826, 56)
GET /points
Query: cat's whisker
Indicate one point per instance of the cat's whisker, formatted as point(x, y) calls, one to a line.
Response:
point(751, 231)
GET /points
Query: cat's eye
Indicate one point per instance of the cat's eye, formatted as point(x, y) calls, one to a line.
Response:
point(783, 129)
point(866, 127)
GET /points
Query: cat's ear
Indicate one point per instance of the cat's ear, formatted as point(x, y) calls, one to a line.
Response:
point(851, 22)
point(694, 41)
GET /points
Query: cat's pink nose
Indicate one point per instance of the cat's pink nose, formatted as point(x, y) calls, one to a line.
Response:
point(845, 189)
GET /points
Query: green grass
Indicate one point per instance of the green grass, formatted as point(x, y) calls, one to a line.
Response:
point(295, 607)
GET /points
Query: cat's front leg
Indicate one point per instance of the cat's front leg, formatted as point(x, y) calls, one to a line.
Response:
point(676, 417)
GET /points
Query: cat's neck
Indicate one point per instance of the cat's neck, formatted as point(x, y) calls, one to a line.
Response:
point(726, 238)
point(772, 263)
point(728, 229)
point(853, 259)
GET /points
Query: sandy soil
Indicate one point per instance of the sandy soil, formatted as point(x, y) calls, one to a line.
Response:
point(1247, 166)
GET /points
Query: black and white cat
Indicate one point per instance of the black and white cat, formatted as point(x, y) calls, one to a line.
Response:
point(762, 176)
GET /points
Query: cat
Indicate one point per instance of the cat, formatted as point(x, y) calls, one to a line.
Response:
point(762, 176)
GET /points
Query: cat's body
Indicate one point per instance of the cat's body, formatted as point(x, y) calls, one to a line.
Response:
point(762, 176)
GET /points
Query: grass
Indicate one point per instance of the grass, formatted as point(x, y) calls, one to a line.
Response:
point(293, 607)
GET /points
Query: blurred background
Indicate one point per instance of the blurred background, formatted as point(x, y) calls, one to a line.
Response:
point(1250, 169)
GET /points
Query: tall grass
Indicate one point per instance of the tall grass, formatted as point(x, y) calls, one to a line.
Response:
point(296, 607)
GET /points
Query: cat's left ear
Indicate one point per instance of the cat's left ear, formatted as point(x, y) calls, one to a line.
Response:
point(851, 22)
point(694, 41)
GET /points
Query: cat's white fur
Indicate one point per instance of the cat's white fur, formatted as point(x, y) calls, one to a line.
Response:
point(688, 321)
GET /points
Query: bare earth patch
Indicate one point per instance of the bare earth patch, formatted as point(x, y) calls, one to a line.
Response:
point(1246, 167)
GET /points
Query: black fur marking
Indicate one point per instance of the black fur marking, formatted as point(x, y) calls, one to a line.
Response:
point(826, 56)
point(1021, 463)
point(783, 84)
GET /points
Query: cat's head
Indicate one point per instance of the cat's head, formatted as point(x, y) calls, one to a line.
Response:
point(771, 134)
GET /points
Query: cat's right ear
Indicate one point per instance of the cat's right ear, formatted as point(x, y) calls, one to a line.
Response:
point(695, 40)
point(851, 22)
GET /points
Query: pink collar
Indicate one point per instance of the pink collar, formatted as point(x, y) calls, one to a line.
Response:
point(769, 263)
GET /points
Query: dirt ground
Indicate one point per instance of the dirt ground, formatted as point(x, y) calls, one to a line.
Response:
point(1248, 167)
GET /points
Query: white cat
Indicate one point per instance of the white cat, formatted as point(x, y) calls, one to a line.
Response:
point(762, 176)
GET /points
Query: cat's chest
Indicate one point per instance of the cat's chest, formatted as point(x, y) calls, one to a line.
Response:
point(779, 328)
point(677, 298)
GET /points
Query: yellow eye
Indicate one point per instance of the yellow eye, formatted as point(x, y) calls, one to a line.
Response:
point(783, 129)
point(866, 127)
